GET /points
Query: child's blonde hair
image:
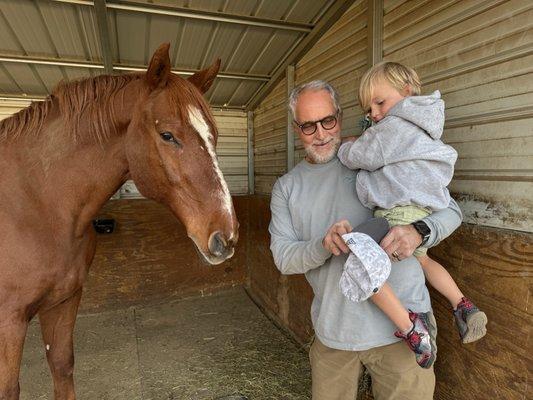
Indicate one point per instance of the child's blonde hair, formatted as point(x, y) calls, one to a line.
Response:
point(397, 75)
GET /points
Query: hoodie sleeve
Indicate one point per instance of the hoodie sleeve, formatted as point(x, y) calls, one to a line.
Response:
point(364, 153)
point(443, 223)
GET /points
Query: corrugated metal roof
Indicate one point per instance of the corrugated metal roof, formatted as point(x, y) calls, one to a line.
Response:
point(44, 41)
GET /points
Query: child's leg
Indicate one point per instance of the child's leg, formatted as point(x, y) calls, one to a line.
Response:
point(387, 302)
point(413, 328)
point(470, 321)
point(441, 280)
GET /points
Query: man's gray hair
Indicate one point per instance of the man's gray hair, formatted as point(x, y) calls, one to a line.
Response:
point(316, 85)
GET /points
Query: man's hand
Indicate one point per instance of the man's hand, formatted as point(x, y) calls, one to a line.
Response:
point(333, 242)
point(401, 242)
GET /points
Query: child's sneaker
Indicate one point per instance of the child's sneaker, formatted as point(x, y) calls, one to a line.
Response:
point(419, 339)
point(470, 321)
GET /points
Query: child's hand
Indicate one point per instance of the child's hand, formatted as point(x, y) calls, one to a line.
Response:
point(349, 139)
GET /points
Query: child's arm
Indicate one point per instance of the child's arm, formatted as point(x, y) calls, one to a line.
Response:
point(349, 139)
point(363, 153)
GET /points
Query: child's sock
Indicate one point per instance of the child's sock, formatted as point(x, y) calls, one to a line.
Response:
point(408, 331)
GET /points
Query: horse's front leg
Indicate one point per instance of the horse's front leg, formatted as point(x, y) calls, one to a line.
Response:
point(57, 326)
point(12, 335)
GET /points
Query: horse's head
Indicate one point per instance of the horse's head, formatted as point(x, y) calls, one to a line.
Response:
point(171, 155)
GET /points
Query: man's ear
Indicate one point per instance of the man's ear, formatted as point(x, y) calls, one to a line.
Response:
point(159, 68)
point(204, 79)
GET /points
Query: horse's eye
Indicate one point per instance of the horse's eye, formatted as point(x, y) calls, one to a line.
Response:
point(168, 137)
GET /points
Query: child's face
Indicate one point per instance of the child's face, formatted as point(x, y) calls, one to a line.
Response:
point(384, 97)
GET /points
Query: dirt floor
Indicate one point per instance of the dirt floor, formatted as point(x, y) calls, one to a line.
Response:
point(216, 347)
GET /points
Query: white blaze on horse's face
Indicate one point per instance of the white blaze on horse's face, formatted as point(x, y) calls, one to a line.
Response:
point(198, 122)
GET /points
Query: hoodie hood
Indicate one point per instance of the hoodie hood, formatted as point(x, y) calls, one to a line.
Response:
point(426, 112)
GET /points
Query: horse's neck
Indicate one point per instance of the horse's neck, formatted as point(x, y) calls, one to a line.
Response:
point(72, 181)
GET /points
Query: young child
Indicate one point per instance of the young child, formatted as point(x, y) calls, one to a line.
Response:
point(404, 172)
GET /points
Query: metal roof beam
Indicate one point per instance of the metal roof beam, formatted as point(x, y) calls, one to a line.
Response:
point(199, 14)
point(11, 100)
point(331, 16)
point(103, 31)
point(120, 67)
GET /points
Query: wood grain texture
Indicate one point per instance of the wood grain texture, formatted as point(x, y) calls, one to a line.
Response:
point(149, 258)
point(493, 267)
point(286, 299)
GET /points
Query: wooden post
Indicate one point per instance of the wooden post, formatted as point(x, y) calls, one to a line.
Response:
point(290, 131)
point(251, 180)
point(375, 32)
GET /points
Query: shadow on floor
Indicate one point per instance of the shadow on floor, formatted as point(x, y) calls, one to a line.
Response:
point(199, 349)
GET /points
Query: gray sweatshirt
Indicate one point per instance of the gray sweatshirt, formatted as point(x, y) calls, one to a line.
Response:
point(304, 204)
point(402, 159)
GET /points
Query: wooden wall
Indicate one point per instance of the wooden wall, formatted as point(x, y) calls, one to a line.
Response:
point(150, 259)
point(494, 268)
point(338, 57)
point(270, 131)
point(479, 54)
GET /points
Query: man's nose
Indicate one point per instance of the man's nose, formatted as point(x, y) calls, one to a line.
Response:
point(320, 132)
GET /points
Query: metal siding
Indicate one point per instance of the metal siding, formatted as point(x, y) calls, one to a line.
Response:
point(270, 147)
point(232, 147)
point(69, 31)
point(339, 57)
point(479, 54)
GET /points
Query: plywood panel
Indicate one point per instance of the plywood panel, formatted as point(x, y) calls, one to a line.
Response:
point(149, 258)
point(494, 268)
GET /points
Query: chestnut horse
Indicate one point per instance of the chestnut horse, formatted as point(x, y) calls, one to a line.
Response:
point(62, 159)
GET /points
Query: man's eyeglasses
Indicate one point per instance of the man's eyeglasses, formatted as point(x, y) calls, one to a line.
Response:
point(309, 128)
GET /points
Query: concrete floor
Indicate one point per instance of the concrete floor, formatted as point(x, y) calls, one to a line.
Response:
point(202, 348)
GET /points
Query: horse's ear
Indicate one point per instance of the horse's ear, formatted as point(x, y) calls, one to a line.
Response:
point(204, 79)
point(159, 68)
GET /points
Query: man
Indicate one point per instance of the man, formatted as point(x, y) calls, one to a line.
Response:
point(312, 206)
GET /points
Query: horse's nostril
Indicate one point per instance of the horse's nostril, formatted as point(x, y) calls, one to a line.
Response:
point(217, 244)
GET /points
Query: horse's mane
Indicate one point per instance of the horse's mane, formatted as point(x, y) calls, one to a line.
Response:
point(89, 97)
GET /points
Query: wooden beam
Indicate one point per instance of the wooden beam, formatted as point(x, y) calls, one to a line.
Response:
point(375, 31)
point(251, 176)
point(183, 12)
point(290, 132)
point(119, 67)
point(331, 16)
point(103, 33)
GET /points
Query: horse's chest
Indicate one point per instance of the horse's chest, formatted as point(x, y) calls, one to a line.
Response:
point(69, 271)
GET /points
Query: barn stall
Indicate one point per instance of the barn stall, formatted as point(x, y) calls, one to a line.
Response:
point(155, 322)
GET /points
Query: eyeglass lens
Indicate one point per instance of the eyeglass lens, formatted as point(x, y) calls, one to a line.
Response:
point(327, 123)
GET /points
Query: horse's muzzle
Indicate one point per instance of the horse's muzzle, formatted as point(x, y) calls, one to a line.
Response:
point(219, 246)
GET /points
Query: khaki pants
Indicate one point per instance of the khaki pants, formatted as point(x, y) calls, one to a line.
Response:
point(394, 371)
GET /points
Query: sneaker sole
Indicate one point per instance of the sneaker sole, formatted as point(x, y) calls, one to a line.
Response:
point(476, 327)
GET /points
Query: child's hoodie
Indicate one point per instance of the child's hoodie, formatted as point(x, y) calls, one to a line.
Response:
point(402, 159)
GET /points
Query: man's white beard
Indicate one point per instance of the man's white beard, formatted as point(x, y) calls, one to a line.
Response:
point(322, 158)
